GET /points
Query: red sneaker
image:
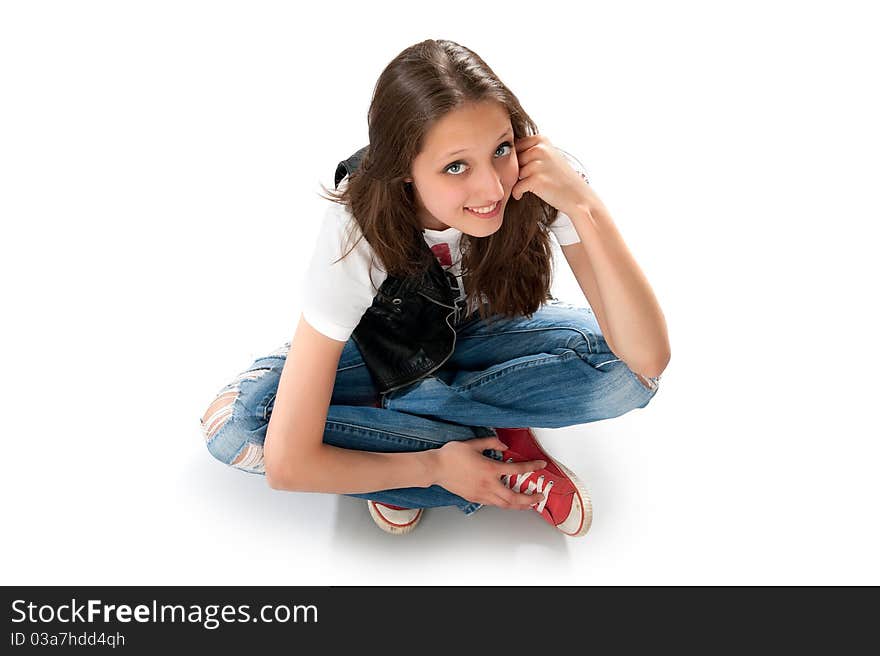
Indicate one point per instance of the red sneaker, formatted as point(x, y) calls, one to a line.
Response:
point(567, 506)
point(394, 519)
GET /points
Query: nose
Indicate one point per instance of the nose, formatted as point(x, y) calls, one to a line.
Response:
point(490, 186)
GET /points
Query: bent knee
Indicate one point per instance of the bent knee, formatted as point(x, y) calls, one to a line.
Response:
point(218, 413)
point(619, 389)
point(650, 383)
point(227, 438)
point(644, 389)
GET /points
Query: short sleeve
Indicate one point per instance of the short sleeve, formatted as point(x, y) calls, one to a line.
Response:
point(336, 294)
point(562, 228)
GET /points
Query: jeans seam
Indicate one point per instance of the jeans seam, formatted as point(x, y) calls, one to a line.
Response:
point(385, 434)
point(515, 367)
point(585, 335)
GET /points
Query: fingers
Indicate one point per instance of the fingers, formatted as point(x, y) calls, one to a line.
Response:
point(521, 467)
point(500, 495)
point(527, 142)
point(511, 500)
point(490, 442)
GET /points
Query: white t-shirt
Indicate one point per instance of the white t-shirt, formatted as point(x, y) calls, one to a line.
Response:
point(335, 296)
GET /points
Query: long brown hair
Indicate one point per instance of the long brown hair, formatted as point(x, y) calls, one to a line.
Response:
point(511, 269)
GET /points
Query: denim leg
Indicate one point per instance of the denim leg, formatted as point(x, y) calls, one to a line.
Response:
point(235, 425)
point(548, 371)
point(387, 431)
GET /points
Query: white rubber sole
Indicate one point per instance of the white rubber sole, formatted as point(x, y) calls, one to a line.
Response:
point(392, 527)
point(581, 491)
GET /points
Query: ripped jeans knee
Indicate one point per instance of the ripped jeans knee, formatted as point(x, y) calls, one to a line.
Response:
point(234, 425)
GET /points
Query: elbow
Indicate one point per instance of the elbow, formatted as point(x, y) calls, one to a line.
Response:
point(272, 468)
point(279, 473)
point(275, 477)
point(287, 468)
point(284, 480)
point(653, 366)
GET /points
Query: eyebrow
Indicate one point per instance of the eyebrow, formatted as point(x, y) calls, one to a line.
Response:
point(456, 152)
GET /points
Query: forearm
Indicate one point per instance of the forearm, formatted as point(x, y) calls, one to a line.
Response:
point(630, 309)
point(336, 470)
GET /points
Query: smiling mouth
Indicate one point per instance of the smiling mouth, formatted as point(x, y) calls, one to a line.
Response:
point(486, 212)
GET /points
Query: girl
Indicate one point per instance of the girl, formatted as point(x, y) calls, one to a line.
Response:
point(378, 396)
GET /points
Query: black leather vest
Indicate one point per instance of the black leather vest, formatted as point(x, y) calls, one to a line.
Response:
point(409, 330)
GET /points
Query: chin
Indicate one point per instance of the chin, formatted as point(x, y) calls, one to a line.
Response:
point(490, 229)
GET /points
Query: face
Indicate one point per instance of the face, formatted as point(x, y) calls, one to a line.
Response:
point(468, 160)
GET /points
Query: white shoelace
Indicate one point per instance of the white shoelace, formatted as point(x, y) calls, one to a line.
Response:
point(533, 486)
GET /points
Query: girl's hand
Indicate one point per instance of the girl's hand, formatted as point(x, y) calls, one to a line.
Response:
point(544, 172)
point(465, 471)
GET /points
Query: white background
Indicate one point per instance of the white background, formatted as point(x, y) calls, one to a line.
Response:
point(160, 165)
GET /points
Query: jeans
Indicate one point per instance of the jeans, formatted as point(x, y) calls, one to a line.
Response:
point(551, 370)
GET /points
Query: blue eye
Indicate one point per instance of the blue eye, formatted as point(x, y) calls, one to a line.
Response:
point(506, 144)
